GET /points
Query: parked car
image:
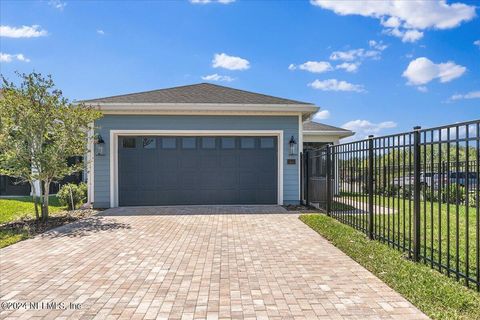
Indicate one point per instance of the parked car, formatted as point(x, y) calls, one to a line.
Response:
point(461, 179)
point(428, 179)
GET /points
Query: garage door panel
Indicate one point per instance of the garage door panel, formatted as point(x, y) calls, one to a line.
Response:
point(197, 170)
point(167, 178)
point(228, 178)
point(247, 179)
point(228, 159)
point(208, 160)
point(188, 179)
point(248, 195)
point(166, 197)
point(187, 160)
point(209, 179)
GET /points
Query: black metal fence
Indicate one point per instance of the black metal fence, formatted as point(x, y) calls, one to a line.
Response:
point(416, 191)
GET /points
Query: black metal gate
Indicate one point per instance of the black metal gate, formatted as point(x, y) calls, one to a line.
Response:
point(416, 191)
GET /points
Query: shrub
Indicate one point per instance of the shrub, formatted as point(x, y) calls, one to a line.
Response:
point(407, 192)
point(392, 190)
point(472, 199)
point(429, 194)
point(72, 192)
point(451, 195)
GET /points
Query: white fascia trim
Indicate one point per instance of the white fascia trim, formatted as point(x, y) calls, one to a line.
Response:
point(130, 108)
point(328, 133)
point(114, 151)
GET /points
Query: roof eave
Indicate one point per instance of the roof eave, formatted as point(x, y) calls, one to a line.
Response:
point(133, 108)
point(338, 133)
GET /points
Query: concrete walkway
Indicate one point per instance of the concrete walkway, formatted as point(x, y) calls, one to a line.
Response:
point(242, 265)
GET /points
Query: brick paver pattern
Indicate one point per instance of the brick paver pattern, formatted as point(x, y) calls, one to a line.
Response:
point(193, 266)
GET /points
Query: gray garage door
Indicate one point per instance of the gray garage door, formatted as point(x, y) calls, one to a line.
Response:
point(197, 170)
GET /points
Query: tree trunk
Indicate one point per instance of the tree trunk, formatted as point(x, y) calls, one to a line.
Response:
point(46, 189)
point(35, 201)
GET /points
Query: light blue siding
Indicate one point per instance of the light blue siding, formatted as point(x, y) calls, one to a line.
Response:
point(289, 125)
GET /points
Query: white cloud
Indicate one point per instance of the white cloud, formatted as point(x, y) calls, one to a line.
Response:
point(392, 22)
point(355, 54)
point(222, 60)
point(57, 4)
point(422, 89)
point(364, 128)
point(406, 35)
point(349, 67)
point(101, 32)
point(6, 57)
point(422, 70)
point(412, 35)
point(321, 115)
point(313, 66)
point(377, 45)
point(211, 1)
point(353, 57)
point(217, 77)
point(22, 32)
point(477, 43)
point(469, 95)
point(404, 19)
point(336, 85)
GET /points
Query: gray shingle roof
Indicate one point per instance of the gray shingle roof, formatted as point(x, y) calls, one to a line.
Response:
point(196, 93)
point(315, 126)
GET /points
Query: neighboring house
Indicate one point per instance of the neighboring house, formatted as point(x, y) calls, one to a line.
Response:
point(200, 144)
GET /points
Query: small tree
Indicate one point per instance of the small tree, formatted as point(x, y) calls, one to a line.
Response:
point(39, 131)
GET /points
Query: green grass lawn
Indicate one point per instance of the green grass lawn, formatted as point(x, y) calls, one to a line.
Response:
point(440, 224)
point(437, 296)
point(17, 208)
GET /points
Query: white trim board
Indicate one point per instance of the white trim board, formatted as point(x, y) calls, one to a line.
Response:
point(91, 165)
point(328, 133)
point(114, 134)
point(300, 151)
point(306, 110)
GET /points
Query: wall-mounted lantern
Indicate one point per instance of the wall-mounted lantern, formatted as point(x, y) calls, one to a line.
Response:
point(99, 146)
point(293, 146)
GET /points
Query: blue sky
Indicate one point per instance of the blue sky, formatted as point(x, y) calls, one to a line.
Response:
point(377, 67)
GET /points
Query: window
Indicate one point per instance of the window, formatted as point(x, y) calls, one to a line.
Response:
point(188, 143)
point(149, 143)
point(169, 143)
point(247, 143)
point(267, 143)
point(228, 143)
point(208, 143)
point(129, 143)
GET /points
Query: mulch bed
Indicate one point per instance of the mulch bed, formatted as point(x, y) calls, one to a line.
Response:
point(302, 208)
point(34, 227)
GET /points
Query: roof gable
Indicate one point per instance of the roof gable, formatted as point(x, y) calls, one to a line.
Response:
point(205, 93)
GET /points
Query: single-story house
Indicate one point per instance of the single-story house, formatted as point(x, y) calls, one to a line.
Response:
point(200, 144)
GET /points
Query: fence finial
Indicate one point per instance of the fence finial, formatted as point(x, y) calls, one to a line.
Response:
point(370, 136)
point(417, 128)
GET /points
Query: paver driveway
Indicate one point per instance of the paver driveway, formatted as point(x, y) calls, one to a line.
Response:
point(134, 264)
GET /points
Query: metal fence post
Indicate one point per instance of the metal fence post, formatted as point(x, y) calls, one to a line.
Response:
point(307, 177)
point(329, 178)
point(416, 193)
point(370, 187)
point(302, 178)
